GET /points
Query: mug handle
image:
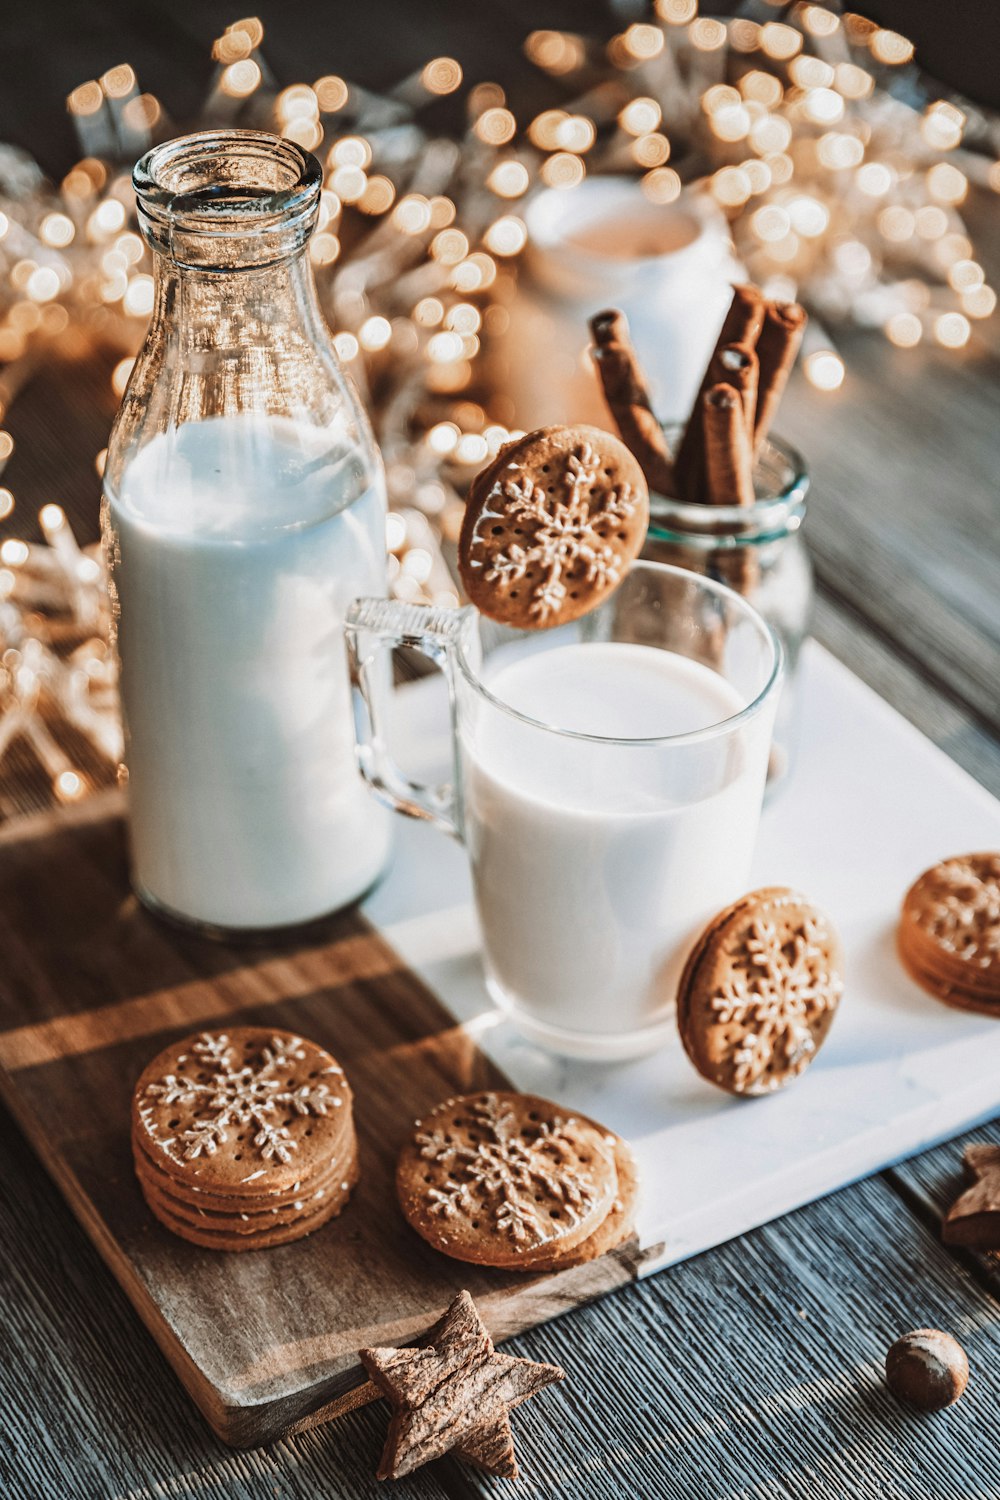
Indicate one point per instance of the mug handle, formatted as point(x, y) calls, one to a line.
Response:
point(375, 626)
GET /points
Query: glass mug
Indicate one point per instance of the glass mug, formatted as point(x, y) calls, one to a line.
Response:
point(597, 858)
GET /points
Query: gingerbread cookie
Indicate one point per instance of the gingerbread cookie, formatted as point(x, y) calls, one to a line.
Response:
point(241, 1110)
point(618, 1224)
point(244, 1139)
point(551, 526)
point(759, 992)
point(453, 1394)
point(949, 932)
point(504, 1179)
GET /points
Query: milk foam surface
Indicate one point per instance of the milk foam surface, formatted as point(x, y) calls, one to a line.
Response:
point(597, 863)
point(239, 550)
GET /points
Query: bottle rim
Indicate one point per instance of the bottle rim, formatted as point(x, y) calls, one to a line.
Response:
point(217, 184)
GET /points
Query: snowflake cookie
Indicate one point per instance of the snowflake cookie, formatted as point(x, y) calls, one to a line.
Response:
point(251, 1111)
point(552, 525)
point(759, 992)
point(949, 931)
point(504, 1179)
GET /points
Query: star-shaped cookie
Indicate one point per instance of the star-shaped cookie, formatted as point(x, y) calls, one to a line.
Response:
point(455, 1395)
point(974, 1219)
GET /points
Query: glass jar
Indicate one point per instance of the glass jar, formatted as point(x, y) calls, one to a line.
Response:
point(244, 507)
point(760, 551)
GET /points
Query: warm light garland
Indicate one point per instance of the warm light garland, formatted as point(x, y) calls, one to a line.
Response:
point(841, 172)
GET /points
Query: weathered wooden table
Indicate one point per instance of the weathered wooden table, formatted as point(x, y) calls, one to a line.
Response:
point(752, 1371)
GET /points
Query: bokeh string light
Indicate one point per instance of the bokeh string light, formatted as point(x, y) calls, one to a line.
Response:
point(841, 170)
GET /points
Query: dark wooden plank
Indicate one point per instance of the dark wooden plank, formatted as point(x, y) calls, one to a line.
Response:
point(91, 987)
point(903, 514)
point(757, 1371)
point(935, 1179)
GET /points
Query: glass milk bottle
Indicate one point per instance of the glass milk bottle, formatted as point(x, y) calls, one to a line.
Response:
point(244, 508)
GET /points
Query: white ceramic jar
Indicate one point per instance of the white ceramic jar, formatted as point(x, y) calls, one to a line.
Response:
point(669, 267)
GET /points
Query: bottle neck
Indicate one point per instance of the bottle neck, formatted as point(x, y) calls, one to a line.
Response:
point(236, 330)
point(255, 306)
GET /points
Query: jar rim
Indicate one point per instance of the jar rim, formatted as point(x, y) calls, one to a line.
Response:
point(771, 516)
point(271, 183)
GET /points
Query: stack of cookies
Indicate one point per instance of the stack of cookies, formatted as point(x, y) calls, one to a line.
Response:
point(244, 1139)
point(949, 932)
point(504, 1179)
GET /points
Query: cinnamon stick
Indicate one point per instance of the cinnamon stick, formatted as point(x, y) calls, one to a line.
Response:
point(729, 476)
point(745, 318)
point(742, 325)
point(610, 327)
point(737, 365)
point(628, 400)
point(777, 347)
point(728, 462)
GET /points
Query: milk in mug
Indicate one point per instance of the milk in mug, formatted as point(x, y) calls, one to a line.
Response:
point(236, 545)
point(593, 869)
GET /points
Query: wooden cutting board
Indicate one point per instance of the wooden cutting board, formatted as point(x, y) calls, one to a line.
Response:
point(92, 987)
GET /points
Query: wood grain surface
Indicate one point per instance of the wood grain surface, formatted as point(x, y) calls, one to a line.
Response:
point(754, 1371)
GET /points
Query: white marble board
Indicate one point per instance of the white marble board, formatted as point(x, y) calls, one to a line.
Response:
point(871, 804)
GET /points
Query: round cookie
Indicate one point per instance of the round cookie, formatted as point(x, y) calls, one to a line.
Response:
point(759, 992)
point(551, 526)
point(616, 1227)
point(949, 932)
point(504, 1179)
point(247, 1111)
point(938, 982)
point(249, 1222)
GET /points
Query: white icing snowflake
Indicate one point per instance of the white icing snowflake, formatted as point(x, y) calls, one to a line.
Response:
point(779, 989)
point(249, 1095)
point(965, 918)
point(561, 532)
point(509, 1170)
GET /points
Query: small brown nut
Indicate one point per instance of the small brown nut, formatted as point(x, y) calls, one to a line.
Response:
point(927, 1368)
